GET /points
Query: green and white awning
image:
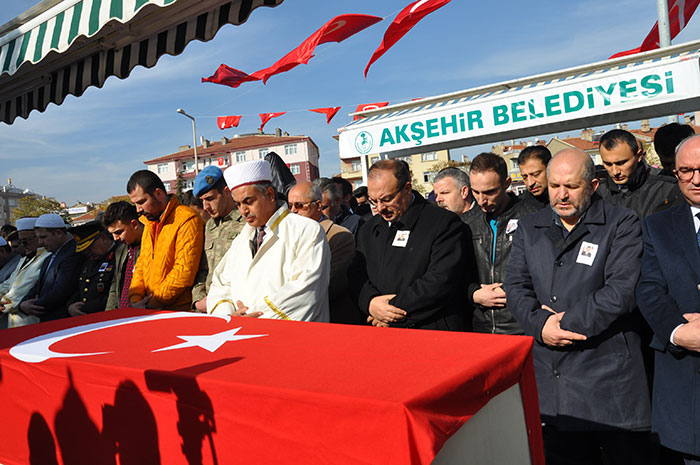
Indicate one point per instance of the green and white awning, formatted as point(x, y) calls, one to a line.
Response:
point(62, 47)
point(651, 84)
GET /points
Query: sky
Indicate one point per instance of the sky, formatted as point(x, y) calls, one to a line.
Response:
point(86, 148)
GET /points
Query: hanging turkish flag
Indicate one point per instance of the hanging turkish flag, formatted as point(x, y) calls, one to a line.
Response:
point(329, 112)
point(679, 13)
point(229, 77)
point(265, 117)
point(404, 22)
point(336, 30)
point(368, 106)
point(228, 121)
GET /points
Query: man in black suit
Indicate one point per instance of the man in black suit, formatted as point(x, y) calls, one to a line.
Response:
point(668, 294)
point(59, 273)
point(411, 268)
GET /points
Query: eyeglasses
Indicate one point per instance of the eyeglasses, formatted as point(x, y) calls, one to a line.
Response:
point(301, 205)
point(386, 199)
point(685, 174)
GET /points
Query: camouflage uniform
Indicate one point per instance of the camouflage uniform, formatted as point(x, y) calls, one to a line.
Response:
point(218, 235)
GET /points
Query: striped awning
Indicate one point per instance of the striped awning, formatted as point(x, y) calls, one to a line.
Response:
point(647, 85)
point(62, 47)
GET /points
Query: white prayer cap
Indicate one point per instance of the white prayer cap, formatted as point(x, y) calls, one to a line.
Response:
point(3, 242)
point(26, 224)
point(50, 220)
point(249, 172)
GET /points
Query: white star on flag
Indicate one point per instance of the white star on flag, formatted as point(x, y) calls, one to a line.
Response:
point(211, 342)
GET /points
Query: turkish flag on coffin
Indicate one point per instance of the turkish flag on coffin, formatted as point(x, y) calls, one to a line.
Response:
point(176, 387)
point(404, 22)
point(679, 13)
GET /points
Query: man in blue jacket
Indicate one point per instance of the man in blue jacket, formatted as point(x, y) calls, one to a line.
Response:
point(669, 297)
point(570, 284)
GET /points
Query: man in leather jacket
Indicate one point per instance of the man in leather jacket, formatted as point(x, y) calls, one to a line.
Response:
point(492, 225)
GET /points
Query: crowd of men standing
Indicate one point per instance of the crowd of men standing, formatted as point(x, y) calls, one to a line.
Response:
point(601, 267)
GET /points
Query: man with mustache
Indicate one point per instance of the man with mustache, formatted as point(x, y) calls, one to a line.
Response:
point(279, 265)
point(532, 162)
point(413, 259)
point(171, 246)
point(571, 280)
point(628, 181)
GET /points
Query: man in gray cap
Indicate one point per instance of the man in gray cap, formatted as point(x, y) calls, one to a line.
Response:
point(59, 274)
point(224, 224)
point(25, 276)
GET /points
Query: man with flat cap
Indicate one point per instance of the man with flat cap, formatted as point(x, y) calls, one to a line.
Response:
point(224, 224)
point(59, 274)
point(93, 241)
point(25, 276)
point(279, 265)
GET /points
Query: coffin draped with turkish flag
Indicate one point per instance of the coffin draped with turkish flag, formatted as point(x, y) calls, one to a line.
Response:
point(137, 386)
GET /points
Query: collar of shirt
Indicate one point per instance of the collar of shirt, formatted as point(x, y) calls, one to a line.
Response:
point(696, 221)
point(413, 199)
point(558, 222)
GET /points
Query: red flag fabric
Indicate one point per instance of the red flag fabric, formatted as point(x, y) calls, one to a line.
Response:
point(228, 121)
point(176, 387)
point(329, 112)
point(679, 13)
point(336, 30)
point(404, 22)
point(369, 106)
point(228, 76)
point(265, 117)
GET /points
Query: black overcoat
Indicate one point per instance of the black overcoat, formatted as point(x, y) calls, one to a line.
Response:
point(598, 383)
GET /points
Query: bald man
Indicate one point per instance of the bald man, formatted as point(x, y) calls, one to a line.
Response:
point(571, 281)
point(305, 199)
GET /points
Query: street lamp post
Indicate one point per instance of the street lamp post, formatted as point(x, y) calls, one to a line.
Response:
point(194, 137)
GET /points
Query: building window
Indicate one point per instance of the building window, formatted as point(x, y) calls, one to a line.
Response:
point(406, 158)
point(430, 156)
point(357, 183)
point(373, 160)
point(222, 161)
point(189, 184)
point(187, 166)
point(167, 186)
point(428, 176)
point(290, 149)
point(262, 153)
point(162, 168)
point(240, 156)
point(356, 165)
point(295, 168)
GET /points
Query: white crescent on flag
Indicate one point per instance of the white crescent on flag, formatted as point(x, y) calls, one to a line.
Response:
point(38, 349)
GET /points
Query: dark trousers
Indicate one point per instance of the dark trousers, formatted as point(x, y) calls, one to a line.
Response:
point(596, 447)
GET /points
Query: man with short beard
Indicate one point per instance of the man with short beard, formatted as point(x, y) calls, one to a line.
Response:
point(571, 281)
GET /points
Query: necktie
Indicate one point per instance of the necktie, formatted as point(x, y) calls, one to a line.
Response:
point(259, 241)
point(128, 273)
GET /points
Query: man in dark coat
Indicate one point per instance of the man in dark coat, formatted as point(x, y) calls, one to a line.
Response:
point(668, 297)
point(532, 162)
point(492, 223)
point(58, 279)
point(98, 271)
point(411, 265)
point(570, 284)
point(627, 180)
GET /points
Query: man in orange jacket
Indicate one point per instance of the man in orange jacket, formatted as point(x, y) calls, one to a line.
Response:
point(171, 246)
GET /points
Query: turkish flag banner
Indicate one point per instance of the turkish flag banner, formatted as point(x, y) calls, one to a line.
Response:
point(329, 112)
point(141, 386)
point(221, 161)
point(265, 117)
point(228, 76)
point(224, 122)
point(679, 13)
point(368, 106)
point(404, 22)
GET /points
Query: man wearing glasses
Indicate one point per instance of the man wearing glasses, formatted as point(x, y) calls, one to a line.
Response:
point(412, 262)
point(668, 294)
point(25, 277)
point(305, 200)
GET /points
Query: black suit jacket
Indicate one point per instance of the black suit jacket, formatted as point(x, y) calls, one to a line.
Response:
point(58, 283)
point(429, 275)
point(669, 287)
